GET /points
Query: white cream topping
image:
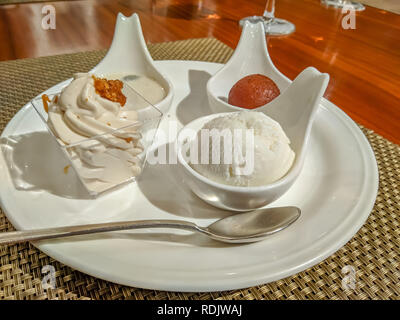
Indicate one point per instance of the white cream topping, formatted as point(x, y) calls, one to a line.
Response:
point(80, 114)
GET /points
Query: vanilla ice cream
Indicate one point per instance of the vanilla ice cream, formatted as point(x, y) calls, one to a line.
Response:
point(79, 113)
point(263, 154)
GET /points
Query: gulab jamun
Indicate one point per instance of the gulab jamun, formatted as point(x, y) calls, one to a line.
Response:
point(253, 91)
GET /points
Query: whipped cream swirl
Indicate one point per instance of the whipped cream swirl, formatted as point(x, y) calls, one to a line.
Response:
point(104, 137)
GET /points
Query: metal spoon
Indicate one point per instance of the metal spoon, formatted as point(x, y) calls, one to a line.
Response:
point(238, 228)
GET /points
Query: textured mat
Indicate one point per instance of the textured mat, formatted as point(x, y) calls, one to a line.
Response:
point(373, 252)
point(388, 5)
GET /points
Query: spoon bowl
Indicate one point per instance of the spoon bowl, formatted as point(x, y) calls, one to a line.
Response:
point(253, 226)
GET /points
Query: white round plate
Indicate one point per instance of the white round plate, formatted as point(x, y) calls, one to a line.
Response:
point(335, 191)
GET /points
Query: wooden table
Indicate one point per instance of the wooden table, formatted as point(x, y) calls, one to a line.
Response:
point(364, 63)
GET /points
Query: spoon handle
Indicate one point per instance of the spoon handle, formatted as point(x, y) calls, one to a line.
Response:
point(51, 233)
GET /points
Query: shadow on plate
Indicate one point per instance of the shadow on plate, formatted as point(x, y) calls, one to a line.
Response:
point(164, 187)
point(195, 104)
point(35, 163)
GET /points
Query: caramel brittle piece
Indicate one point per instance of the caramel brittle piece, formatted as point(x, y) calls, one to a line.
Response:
point(110, 90)
point(46, 100)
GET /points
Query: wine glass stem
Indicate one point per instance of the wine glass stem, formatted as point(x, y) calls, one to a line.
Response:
point(269, 11)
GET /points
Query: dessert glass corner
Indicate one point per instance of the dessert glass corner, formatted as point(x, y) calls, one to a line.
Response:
point(147, 125)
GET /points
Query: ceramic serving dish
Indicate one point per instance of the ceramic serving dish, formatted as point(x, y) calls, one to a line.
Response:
point(294, 109)
point(128, 54)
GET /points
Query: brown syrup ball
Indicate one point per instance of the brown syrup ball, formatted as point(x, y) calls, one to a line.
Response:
point(253, 91)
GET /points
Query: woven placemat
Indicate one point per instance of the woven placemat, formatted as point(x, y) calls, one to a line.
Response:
point(388, 5)
point(373, 252)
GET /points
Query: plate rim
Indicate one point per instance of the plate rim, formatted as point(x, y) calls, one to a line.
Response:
point(256, 279)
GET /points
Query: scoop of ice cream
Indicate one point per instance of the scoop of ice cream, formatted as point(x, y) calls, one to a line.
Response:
point(260, 151)
point(79, 112)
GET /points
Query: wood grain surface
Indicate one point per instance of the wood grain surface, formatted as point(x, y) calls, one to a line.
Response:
point(364, 63)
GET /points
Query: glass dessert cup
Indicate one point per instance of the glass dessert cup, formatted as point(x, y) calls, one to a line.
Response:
point(100, 166)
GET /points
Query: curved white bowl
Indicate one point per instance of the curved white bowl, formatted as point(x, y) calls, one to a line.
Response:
point(294, 109)
point(128, 53)
point(224, 196)
point(250, 57)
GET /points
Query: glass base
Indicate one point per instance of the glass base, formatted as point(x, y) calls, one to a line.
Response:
point(344, 4)
point(272, 26)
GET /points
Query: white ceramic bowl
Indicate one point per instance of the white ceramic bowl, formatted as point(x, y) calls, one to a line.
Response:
point(128, 54)
point(250, 57)
point(225, 196)
point(295, 111)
